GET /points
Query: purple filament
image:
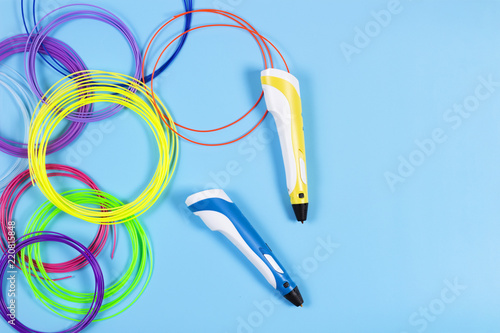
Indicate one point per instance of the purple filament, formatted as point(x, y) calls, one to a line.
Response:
point(39, 38)
point(69, 59)
point(49, 236)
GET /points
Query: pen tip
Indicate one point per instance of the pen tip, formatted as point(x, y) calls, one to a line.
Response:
point(302, 222)
point(301, 306)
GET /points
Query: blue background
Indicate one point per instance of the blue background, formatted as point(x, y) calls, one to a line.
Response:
point(394, 251)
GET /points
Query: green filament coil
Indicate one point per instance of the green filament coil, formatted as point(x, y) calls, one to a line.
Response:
point(48, 290)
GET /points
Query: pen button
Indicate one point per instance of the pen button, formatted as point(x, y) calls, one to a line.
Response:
point(286, 285)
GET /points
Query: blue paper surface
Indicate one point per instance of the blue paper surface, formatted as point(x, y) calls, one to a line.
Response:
point(400, 106)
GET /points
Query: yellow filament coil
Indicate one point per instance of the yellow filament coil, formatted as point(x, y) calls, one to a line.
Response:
point(85, 88)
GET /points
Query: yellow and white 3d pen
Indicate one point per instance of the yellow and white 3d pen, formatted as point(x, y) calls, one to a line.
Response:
point(282, 94)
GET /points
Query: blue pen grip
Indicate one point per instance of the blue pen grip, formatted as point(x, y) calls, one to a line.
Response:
point(219, 213)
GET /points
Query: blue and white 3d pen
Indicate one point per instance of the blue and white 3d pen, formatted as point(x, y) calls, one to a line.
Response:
point(219, 213)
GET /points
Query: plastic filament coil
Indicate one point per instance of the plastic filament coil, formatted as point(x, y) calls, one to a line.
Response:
point(140, 263)
point(264, 44)
point(15, 190)
point(91, 12)
point(15, 85)
point(31, 239)
point(70, 60)
point(88, 87)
